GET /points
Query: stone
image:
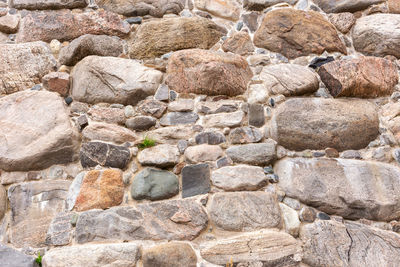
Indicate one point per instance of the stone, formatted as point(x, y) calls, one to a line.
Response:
point(171, 134)
point(228, 9)
point(60, 230)
point(161, 156)
point(208, 72)
point(307, 214)
point(223, 162)
point(67, 25)
point(195, 180)
point(170, 254)
point(365, 77)
point(244, 211)
point(156, 221)
point(262, 4)
point(351, 154)
point(107, 155)
point(323, 216)
point(394, 6)
point(283, 79)
point(113, 80)
point(349, 188)
point(152, 107)
point(157, 37)
point(239, 43)
point(47, 4)
point(331, 153)
point(181, 105)
point(162, 93)
point(108, 133)
point(202, 153)
point(348, 244)
point(345, 5)
point(97, 255)
point(253, 154)
point(317, 123)
point(256, 115)
point(33, 206)
point(140, 123)
point(251, 20)
point(107, 114)
point(88, 45)
point(3, 202)
point(221, 106)
point(12, 258)
point(211, 138)
point(290, 219)
point(295, 33)
point(377, 35)
point(154, 184)
point(35, 136)
point(239, 178)
point(56, 82)
point(222, 120)
point(9, 23)
point(176, 118)
point(23, 65)
point(342, 21)
point(244, 135)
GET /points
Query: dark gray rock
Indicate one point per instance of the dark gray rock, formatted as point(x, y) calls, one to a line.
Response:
point(244, 135)
point(195, 180)
point(223, 162)
point(254, 154)
point(108, 155)
point(140, 123)
point(12, 258)
point(211, 138)
point(256, 115)
point(176, 118)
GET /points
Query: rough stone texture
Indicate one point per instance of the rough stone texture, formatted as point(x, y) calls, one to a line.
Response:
point(108, 155)
point(170, 254)
point(57, 82)
point(3, 202)
point(270, 247)
point(345, 5)
point(33, 205)
point(108, 133)
point(290, 219)
point(9, 23)
point(107, 114)
point(181, 105)
point(255, 154)
point(211, 138)
point(89, 44)
point(60, 229)
point(244, 135)
point(47, 4)
point(394, 6)
point(99, 255)
point(12, 258)
point(377, 35)
point(353, 189)
point(259, 5)
point(172, 134)
point(113, 80)
point(238, 178)
point(256, 115)
point(171, 220)
point(158, 37)
point(342, 21)
point(228, 9)
point(35, 136)
point(152, 107)
point(364, 77)
point(331, 243)
point(140, 123)
point(295, 33)
point(176, 118)
point(208, 72)
point(161, 156)
point(202, 153)
point(221, 120)
point(23, 65)
point(239, 43)
point(221, 106)
point(245, 211)
point(66, 25)
point(195, 180)
point(154, 184)
point(316, 123)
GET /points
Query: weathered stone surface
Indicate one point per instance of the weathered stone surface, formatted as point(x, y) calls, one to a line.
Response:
point(56, 82)
point(262, 4)
point(342, 21)
point(181, 105)
point(33, 205)
point(239, 43)
point(89, 44)
point(254, 154)
point(394, 6)
point(108, 133)
point(245, 211)
point(113, 80)
point(221, 106)
point(171, 220)
point(3, 202)
point(211, 138)
point(364, 77)
point(317, 123)
point(157, 37)
point(154, 184)
point(99, 255)
point(202, 153)
point(152, 107)
point(256, 115)
point(244, 135)
point(9, 23)
point(222, 120)
point(23, 65)
point(295, 33)
point(270, 247)
point(377, 35)
point(60, 229)
point(66, 25)
point(12, 258)
point(390, 118)
point(330, 243)
point(350, 188)
point(161, 156)
point(47, 4)
point(290, 219)
point(238, 178)
point(140, 123)
point(345, 5)
point(195, 180)
point(107, 114)
point(170, 254)
point(228, 9)
point(207, 72)
point(172, 134)
point(108, 155)
point(35, 136)
point(176, 118)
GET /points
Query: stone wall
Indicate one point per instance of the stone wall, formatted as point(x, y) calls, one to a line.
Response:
point(199, 133)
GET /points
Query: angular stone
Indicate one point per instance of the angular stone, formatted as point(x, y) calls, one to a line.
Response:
point(364, 77)
point(107, 114)
point(244, 135)
point(262, 4)
point(33, 205)
point(154, 184)
point(291, 220)
point(162, 93)
point(108, 133)
point(239, 178)
point(244, 211)
point(208, 72)
point(108, 155)
point(161, 156)
point(170, 254)
point(56, 82)
point(345, 5)
point(176, 118)
point(98, 255)
point(256, 115)
point(89, 44)
point(152, 107)
point(9, 23)
point(113, 80)
point(228, 9)
point(295, 33)
point(221, 106)
point(349, 188)
point(60, 230)
point(12, 258)
point(172, 134)
point(342, 21)
point(181, 105)
point(47, 4)
point(156, 221)
point(140, 123)
point(195, 180)
point(211, 138)
point(239, 43)
point(222, 120)
point(202, 153)
point(270, 247)
point(157, 37)
point(254, 154)
point(307, 123)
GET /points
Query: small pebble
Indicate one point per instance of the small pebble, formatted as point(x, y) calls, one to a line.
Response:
point(273, 178)
point(323, 216)
point(68, 100)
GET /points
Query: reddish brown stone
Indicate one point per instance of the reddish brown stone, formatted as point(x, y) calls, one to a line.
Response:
point(57, 82)
point(240, 43)
point(394, 6)
point(342, 21)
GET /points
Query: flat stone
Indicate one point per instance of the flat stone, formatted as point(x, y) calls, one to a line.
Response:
point(107, 114)
point(251, 20)
point(60, 230)
point(254, 154)
point(47, 4)
point(229, 9)
point(345, 5)
point(222, 120)
point(349, 188)
point(108, 133)
point(152, 107)
point(290, 219)
point(154, 184)
point(394, 6)
point(244, 135)
point(56, 82)
point(181, 105)
point(108, 155)
point(140, 123)
point(239, 43)
point(262, 4)
point(256, 115)
point(161, 156)
point(195, 180)
point(3, 202)
point(171, 134)
point(213, 107)
point(162, 93)
point(9, 23)
point(342, 21)
point(12, 258)
point(239, 178)
point(211, 138)
point(244, 211)
point(170, 254)
point(176, 118)
point(202, 153)
point(317, 123)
